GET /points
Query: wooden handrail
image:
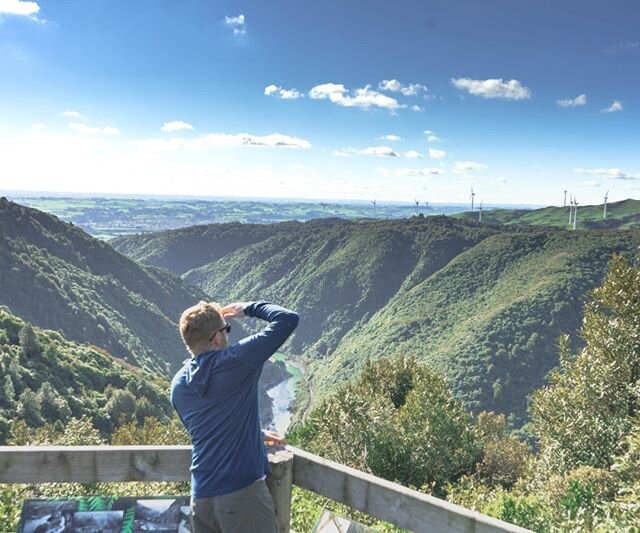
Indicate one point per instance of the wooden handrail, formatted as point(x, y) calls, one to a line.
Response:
point(372, 495)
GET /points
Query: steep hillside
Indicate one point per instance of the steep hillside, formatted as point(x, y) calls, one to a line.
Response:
point(621, 215)
point(187, 248)
point(490, 318)
point(55, 276)
point(336, 273)
point(47, 378)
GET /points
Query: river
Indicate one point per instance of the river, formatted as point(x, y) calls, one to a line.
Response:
point(284, 395)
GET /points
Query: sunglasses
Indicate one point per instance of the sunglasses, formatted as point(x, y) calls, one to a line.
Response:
point(226, 327)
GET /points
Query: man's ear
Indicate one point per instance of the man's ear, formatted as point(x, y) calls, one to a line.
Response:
point(216, 343)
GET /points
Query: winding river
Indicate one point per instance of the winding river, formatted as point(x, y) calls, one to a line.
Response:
point(284, 394)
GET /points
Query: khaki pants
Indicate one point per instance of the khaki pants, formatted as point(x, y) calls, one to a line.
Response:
point(247, 510)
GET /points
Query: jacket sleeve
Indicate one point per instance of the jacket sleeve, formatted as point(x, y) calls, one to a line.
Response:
point(256, 349)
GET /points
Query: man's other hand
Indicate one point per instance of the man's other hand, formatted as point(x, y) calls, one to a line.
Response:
point(234, 310)
point(271, 438)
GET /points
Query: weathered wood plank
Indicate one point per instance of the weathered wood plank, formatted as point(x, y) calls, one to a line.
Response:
point(389, 501)
point(89, 464)
point(279, 482)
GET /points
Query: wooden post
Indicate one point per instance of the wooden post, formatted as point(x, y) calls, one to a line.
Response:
point(280, 482)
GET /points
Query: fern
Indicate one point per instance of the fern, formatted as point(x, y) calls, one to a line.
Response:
point(128, 519)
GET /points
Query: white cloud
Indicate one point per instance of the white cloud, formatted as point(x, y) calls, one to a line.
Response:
point(623, 47)
point(412, 154)
point(392, 138)
point(611, 173)
point(407, 90)
point(588, 183)
point(227, 140)
point(72, 114)
point(419, 172)
point(467, 166)
point(237, 23)
point(429, 132)
point(573, 102)
point(87, 130)
point(390, 85)
point(433, 139)
point(382, 151)
point(416, 108)
point(437, 154)
point(38, 126)
point(18, 7)
point(615, 106)
point(501, 179)
point(364, 98)
point(176, 125)
point(284, 94)
point(493, 88)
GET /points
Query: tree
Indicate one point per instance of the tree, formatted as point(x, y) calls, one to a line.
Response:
point(398, 421)
point(29, 408)
point(504, 458)
point(582, 417)
point(52, 405)
point(29, 341)
point(121, 407)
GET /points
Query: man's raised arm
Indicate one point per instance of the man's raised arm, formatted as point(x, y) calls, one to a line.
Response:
point(257, 348)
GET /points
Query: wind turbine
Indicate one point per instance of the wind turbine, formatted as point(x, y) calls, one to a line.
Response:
point(324, 208)
point(604, 214)
point(472, 196)
point(417, 206)
point(565, 198)
point(575, 212)
point(374, 208)
point(480, 213)
point(570, 209)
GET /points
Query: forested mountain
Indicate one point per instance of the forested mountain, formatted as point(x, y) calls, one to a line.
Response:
point(482, 303)
point(491, 318)
point(621, 215)
point(55, 276)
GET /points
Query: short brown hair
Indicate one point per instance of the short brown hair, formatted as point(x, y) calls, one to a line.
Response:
point(199, 323)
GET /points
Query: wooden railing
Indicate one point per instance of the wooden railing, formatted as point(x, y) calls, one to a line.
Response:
point(374, 496)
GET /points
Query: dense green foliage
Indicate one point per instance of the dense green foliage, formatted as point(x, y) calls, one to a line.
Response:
point(593, 400)
point(57, 277)
point(50, 380)
point(483, 304)
point(399, 421)
point(490, 318)
point(586, 476)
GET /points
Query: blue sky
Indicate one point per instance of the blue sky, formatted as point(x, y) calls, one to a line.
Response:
point(351, 99)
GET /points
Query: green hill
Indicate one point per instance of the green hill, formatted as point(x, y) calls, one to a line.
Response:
point(483, 303)
point(334, 272)
point(54, 275)
point(47, 378)
point(186, 248)
point(489, 320)
point(620, 215)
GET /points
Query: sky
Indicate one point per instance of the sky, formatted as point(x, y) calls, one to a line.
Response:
point(343, 99)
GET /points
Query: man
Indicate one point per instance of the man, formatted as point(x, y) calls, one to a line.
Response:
point(216, 396)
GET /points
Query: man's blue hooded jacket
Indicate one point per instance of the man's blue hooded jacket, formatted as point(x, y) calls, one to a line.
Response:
point(216, 397)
